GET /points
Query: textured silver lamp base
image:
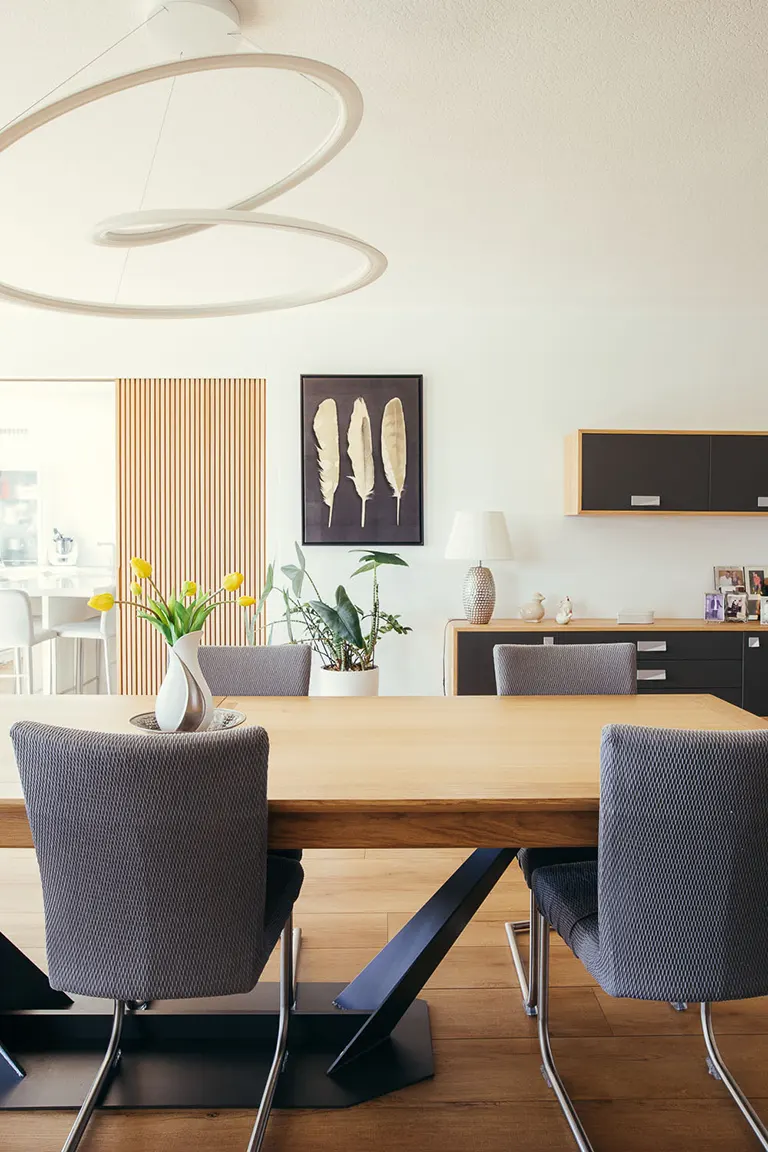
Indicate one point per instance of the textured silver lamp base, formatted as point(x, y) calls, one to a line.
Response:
point(479, 595)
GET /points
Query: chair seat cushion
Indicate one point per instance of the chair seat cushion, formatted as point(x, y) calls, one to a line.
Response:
point(530, 859)
point(89, 629)
point(284, 880)
point(566, 894)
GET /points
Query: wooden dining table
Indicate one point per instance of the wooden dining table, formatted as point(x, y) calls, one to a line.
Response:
point(488, 773)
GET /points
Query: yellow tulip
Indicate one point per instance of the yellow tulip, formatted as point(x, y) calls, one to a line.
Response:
point(189, 588)
point(232, 581)
point(102, 601)
point(136, 588)
point(141, 568)
point(246, 601)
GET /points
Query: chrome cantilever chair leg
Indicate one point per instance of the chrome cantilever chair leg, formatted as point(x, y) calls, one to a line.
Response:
point(527, 981)
point(718, 1069)
point(286, 1000)
point(296, 942)
point(551, 1075)
point(111, 1057)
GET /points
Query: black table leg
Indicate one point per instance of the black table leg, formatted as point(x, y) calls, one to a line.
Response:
point(391, 982)
point(22, 985)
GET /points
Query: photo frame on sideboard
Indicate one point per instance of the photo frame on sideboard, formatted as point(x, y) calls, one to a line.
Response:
point(361, 454)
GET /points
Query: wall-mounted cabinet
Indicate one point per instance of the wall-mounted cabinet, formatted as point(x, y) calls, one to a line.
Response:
point(681, 473)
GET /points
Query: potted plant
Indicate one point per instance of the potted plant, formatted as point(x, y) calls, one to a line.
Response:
point(343, 635)
point(184, 702)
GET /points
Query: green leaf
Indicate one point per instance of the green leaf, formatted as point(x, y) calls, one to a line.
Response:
point(350, 618)
point(161, 628)
point(296, 577)
point(288, 626)
point(266, 591)
point(300, 554)
point(364, 568)
point(380, 557)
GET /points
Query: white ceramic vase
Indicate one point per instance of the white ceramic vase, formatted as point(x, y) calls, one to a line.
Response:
point(184, 702)
point(331, 683)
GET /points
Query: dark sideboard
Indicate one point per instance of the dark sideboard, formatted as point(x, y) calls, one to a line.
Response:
point(725, 660)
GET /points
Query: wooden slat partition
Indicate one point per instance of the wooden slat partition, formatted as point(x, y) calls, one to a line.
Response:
point(191, 500)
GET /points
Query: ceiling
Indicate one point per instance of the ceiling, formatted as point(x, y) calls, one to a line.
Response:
point(563, 153)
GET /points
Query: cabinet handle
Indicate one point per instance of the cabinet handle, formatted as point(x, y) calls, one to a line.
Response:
point(548, 640)
point(754, 641)
point(651, 645)
point(645, 501)
point(762, 501)
point(651, 673)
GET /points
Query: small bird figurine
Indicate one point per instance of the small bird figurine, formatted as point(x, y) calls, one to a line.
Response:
point(564, 613)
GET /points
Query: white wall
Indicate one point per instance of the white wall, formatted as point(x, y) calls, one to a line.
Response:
point(501, 391)
point(71, 445)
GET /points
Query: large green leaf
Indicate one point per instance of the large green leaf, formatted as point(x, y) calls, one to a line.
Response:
point(163, 629)
point(268, 587)
point(364, 568)
point(370, 557)
point(300, 554)
point(350, 617)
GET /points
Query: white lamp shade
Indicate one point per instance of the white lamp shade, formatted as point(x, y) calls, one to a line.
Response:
point(479, 536)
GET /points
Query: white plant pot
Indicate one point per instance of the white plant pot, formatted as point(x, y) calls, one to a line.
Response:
point(184, 702)
point(331, 683)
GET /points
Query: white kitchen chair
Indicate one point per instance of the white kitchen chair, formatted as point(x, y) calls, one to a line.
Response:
point(20, 633)
point(100, 628)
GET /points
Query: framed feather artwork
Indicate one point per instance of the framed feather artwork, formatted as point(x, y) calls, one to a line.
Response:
point(362, 460)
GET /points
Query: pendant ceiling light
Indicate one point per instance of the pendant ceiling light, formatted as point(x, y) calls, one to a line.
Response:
point(136, 229)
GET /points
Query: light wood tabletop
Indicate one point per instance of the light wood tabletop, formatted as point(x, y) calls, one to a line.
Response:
point(419, 772)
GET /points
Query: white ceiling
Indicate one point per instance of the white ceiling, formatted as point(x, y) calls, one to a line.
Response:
point(563, 152)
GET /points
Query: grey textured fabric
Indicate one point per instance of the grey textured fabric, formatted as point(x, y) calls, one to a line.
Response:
point(565, 669)
point(530, 859)
point(675, 908)
point(258, 670)
point(153, 858)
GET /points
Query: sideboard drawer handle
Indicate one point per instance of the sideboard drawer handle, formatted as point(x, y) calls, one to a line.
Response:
point(754, 641)
point(762, 501)
point(645, 501)
point(651, 673)
point(651, 645)
point(548, 640)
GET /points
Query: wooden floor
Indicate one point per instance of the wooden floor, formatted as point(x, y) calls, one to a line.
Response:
point(636, 1070)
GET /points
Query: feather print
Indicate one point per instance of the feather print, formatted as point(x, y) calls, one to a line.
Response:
point(326, 428)
point(393, 448)
point(360, 452)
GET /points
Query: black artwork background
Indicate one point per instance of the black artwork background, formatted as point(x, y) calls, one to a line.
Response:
point(380, 514)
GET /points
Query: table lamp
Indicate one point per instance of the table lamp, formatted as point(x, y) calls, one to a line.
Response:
point(479, 535)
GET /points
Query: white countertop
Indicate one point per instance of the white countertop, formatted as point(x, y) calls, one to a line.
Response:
point(69, 583)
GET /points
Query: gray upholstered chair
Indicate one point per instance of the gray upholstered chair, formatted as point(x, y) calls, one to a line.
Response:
point(556, 670)
point(156, 879)
point(673, 908)
point(256, 670)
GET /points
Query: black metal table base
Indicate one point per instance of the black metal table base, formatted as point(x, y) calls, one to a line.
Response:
point(347, 1044)
point(210, 1053)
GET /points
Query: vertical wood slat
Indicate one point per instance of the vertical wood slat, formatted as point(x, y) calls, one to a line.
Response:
point(191, 500)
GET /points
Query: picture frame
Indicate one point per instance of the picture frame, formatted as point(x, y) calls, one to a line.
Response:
point(730, 578)
point(764, 610)
point(753, 607)
point(714, 607)
point(756, 579)
point(362, 460)
point(735, 607)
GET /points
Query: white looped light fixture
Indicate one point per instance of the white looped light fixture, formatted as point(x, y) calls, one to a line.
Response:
point(135, 229)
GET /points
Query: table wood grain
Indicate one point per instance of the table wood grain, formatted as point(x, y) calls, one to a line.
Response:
point(399, 772)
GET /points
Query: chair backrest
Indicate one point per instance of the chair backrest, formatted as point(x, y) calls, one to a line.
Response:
point(565, 669)
point(256, 670)
point(16, 627)
point(153, 858)
point(683, 864)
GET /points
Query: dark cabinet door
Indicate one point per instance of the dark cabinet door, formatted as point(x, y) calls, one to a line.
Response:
point(756, 672)
point(626, 472)
point(739, 474)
